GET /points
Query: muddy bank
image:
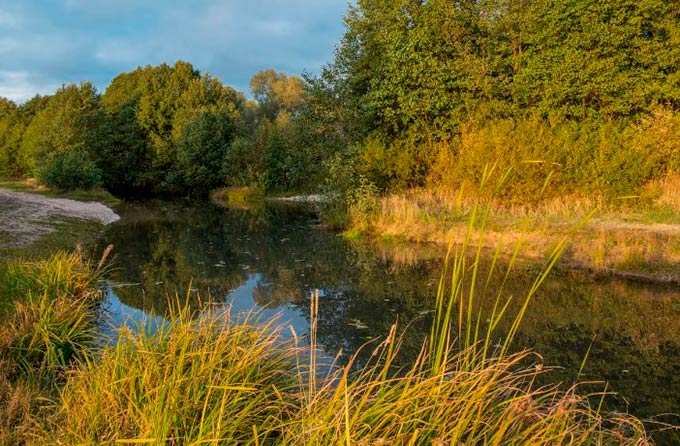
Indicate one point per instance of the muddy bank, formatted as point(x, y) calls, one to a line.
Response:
point(26, 217)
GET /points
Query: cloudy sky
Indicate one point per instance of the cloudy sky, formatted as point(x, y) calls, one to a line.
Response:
point(46, 43)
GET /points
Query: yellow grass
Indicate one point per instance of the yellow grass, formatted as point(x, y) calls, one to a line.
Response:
point(601, 236)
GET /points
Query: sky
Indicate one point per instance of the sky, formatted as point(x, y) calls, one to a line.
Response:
point(47, 43)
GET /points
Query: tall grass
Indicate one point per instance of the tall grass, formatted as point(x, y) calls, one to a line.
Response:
point(205, 379)
point(197, 380)
point(67, 275)
point(47, 323)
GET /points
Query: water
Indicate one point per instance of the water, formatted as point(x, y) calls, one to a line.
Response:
point(270, 260)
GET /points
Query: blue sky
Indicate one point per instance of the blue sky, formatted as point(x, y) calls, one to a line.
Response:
point(46, 43)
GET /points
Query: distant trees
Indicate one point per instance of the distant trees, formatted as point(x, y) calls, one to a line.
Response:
point(13, 123)
point(167, 112)
point(276, 140)
point(63, 139)
point(155, 130)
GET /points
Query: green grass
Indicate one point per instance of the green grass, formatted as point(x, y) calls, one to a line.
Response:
point(47, 324)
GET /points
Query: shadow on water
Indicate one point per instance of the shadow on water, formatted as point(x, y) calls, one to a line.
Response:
point(271, 260)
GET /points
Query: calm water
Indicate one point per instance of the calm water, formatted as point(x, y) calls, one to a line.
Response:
point(271, 259)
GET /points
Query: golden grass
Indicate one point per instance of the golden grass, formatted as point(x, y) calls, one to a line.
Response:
point(47, 323)
point(666, 191)
point(203, 378)
point(600, 237)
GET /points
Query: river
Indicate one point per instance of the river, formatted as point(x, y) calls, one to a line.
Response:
point(270, 259)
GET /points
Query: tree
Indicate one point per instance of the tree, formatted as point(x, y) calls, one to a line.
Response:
point(160, 104)
point(15, 162)
point(7, 118)
point(202, 149)
point(277, 92)
point(67, 132)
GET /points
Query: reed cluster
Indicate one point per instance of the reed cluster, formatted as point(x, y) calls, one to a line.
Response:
point(634, 237)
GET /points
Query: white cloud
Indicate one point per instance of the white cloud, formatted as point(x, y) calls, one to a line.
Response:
point(19, 86)
point(120, 52)
point(74, 40)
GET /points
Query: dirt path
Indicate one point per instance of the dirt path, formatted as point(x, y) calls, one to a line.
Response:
point(25, 217)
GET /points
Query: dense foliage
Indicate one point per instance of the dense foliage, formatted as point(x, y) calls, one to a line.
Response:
point(574, 95)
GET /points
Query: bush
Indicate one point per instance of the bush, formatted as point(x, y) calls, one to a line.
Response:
point(70, 171)
point(555, 157)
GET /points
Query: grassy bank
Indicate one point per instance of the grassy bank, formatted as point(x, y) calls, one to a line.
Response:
point(244, 197)
point(204, 378)
point(47, 324)
point(637, 237)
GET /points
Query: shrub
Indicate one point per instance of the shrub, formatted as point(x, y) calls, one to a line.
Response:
point(70, 171)
point(556, 157)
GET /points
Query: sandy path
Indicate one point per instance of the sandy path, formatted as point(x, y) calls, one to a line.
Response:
point(25, 217)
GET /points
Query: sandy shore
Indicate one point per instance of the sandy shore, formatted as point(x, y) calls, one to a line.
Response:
point(25, 217)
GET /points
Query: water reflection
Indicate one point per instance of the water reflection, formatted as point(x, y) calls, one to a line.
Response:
point(271, 260)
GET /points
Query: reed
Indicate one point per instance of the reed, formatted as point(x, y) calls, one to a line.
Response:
point(199, 379)
point(47, 323)
point(206, 378)
point(628, 239)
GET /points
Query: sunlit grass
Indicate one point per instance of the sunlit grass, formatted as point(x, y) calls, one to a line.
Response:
point(197, 380)
point(47, 323)
point(624, 239)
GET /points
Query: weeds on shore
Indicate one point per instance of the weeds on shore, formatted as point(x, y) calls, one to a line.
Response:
point(200, 379)
point(631, 243)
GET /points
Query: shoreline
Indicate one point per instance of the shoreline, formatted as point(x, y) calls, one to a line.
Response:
point(28, 217)
point(609, 245)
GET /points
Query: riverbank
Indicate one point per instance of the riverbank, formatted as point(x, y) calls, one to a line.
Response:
point(640, 243)
point(279, 258)
point(58, 223)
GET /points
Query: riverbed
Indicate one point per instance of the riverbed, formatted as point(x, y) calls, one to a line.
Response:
point(269, 260)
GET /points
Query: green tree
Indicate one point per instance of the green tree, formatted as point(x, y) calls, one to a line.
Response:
point(160, 103)
point(15, 162)
point(67, 131)
point(202, 150)
point(277, 92)
point(7, 118)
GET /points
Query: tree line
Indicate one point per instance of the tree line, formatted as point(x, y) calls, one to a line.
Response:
point(157, 130)
point(584, 93)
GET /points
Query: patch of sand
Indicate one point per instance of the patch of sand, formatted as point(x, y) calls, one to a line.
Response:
point(25, 217)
